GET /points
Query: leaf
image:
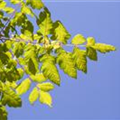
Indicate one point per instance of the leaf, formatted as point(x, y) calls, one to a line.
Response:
point(78, 39)
point(18, 48)
point(4, 57)
point(91, 53)
point(27, 10)
point(67, 64)
point(45, 23)
point(3, 113)
point(49, 69)
point(2, 5)
point(45, 86)
point(60, 33)
point(27, 30)
point(45, 98)
point(23, 87)
point(90, 41)
point(16, 1)
point(10, 98)
point(38, 77)
point(8, 10)
point(103, 48)
point(33, 65)
point(33, 95)
point(80, 59)
point(35, 4)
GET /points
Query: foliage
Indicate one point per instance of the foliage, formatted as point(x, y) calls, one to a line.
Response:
point(36, 54)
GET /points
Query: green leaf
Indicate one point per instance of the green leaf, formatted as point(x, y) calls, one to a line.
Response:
point(27, 30)
point(45, 86)
point(18, 48)
point(33, 65)
point(78, 39)
point(60, 33)
point(91, 53)
point(103, 48)
point(33, 95)
point(45, 98)
point(50, 70)
point(80, 59)
point(23, 87)
point(35, 4)
point(10, 98)
point(67, 64)
point(38, 77)
point(3, 113)
point(45, 23)
point(4, 57)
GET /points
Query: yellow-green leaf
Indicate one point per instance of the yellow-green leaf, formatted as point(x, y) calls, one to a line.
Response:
point(45, 86)
point(45, 98)
point(80, 59)
point(90, 41)
point(2, 5)
point(16, 1)
point(78, 39)
point(45, 23)
point(38, 77)
point(27, 10)
point(49, 69)
point(67, 64)
point(33, 95)
point(8, 10)
point(35, 4)
point(24, 86)
point(60, 33)
point(103, 48)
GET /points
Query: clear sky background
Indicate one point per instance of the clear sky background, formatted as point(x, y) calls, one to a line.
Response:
point(97, 94)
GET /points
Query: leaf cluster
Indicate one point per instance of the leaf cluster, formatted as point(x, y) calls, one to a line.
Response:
point(35, 56)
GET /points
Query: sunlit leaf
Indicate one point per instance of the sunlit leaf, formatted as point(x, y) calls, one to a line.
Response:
point(67, 64)
point(33, 95)
point(45, 86)
point(60, 33)
point(80, 59)
point(103, 48)
point(78, 39)
point(45, 98)
point(23, 87)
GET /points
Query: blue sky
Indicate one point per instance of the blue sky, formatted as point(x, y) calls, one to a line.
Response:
point(95, 95)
